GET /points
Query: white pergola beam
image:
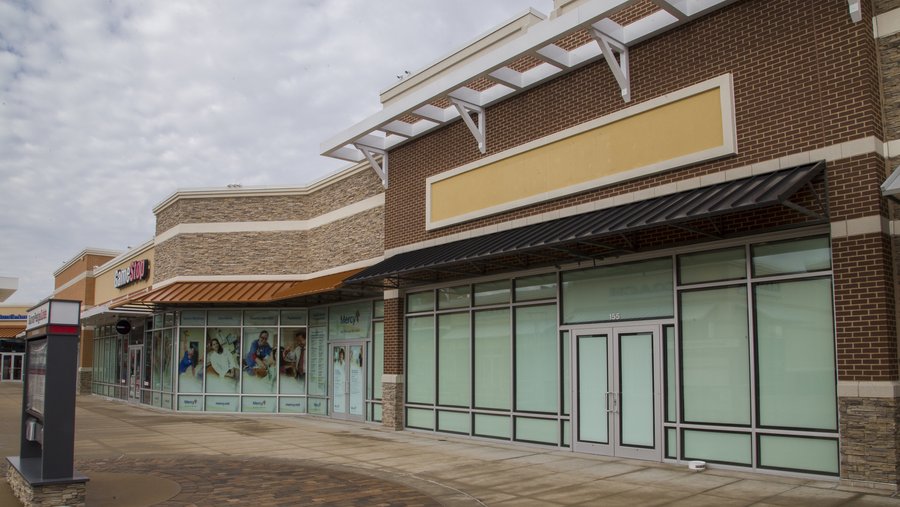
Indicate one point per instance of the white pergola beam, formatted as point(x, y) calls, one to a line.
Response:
point(433, 113)
point(467, 95)
point(508, 77)
point(676, 8)
point(555, 55)
point(539, 74)
point(645, 28)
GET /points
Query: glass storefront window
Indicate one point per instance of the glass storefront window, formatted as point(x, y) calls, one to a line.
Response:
point(492, 293)
point(259, 359)
point(715, 356)
point(531, 288)
point(493, 359)
point(420, 360)
point(792, 256)
point(453, 297)
point(193, 318)
point(537, 378)
point(420, 302)
point(796, 367)
point(729, 264)
point(453, 360)
point(190, 363)
point(638, 290)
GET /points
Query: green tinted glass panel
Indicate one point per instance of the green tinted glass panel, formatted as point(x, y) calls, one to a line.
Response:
point(420, 360)
point(378, 311)
point(378, 359)
point(566, 374)
point(593, 384)
point(453, 297)
point(637, 290)
point(453, 359)
point(537, 430)
point(260, 317)
point(492, 426)
point(455, 422)
point(492, 293)
point(795, 339)
point(671, 443)
point(193, 317)
point(229, 318)
point(730, 264)
point(566, 433)
point(717, 446)
point(794, 256)
point(419, 418)
point(715, 356)
point(536, 287)
point(420, 302)
point(492, 359)
point(636, 389)
point(377, 412)
point(800, 454)
point(537, 388)
point(671, 373)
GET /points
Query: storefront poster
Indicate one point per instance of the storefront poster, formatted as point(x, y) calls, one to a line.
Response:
point(318, 317)
point(260, 318)
point(293, 317)
point(167, 353)
point(317, 361)
point(190, 364)
point(317, 406)
point(356, 381)
point(37, 372)
point(221, 403)
point(258, 404)
point(292, 361)
point(350, 322)
point(224, 318)
point(260, 360)
point(292, 405)
point(223, 350)
point(193, 317)
point(339, 380)
point(190, 403)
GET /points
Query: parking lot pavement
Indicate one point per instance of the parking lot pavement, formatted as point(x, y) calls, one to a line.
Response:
point(139, 456)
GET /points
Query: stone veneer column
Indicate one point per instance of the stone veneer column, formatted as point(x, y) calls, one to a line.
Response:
point(392, 387)
point(868, 391)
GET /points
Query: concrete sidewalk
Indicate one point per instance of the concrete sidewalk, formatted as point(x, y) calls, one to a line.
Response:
point(137, 456)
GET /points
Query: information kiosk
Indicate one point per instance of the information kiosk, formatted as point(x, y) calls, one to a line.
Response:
point(44, 470)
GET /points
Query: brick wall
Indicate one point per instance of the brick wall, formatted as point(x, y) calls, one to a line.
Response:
point(882, 6)
point(805, 77)
point(393, 336)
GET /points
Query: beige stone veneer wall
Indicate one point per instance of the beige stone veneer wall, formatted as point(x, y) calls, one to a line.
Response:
point(353, 238)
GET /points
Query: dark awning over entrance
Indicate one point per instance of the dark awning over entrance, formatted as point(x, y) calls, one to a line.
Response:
point(734, 196)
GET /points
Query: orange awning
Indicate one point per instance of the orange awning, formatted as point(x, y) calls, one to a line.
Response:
point(243, 292)
point(10, 332)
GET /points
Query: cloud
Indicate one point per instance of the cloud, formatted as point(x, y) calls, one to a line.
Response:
point(107, 107)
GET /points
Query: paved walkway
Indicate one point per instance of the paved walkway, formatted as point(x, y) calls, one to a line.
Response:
point(137, 456)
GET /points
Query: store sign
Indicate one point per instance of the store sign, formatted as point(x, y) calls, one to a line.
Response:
point(134, 272)
point(38, 316)
point(13, 316)
point(123, 327)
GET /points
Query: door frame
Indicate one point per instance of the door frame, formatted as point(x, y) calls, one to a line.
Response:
point(331, 385)
point(613, 330)
point(8, 364)
point(135, 383)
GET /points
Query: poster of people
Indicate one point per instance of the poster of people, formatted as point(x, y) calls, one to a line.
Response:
point(356, 380)
point(223, 349)
point(317, 361)
point(167, 361)
point(292, 365)
point(259, 360)
point(190, 364)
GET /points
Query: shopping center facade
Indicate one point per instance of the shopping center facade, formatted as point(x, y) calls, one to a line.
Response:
point(648, 229)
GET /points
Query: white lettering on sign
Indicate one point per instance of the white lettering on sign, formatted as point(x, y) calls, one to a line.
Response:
point(134, 272)
point(38, 317)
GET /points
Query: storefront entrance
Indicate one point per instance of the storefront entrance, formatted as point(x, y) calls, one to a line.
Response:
point(135, 353)
point(348, 376)
point(11, 366)
point(616, 388)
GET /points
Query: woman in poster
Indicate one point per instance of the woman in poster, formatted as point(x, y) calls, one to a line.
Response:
point(190, 369)
point(222, 368)
point(293, 364)
point(260, 370)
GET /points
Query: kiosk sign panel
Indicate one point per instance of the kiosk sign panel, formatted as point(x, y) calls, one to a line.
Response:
point(37, 373)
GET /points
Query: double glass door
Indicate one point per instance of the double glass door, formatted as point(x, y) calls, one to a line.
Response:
point(348, 379)
point(617, 388)
point(135, 353)
point(11, 366)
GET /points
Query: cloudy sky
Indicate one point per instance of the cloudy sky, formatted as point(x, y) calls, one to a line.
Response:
point(107, 107)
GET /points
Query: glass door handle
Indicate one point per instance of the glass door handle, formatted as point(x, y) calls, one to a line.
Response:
point(614, 399)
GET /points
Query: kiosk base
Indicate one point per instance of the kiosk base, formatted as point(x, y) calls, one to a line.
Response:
point(24, 477)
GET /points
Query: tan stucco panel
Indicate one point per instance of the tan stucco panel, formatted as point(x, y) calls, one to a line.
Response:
point(691, 125)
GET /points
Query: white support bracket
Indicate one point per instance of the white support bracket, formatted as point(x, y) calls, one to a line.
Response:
point(465, 110)
point(619, 68)
point(855, 10)
point(380, 169)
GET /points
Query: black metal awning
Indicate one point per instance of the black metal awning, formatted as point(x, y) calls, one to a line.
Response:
point(759, 191)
